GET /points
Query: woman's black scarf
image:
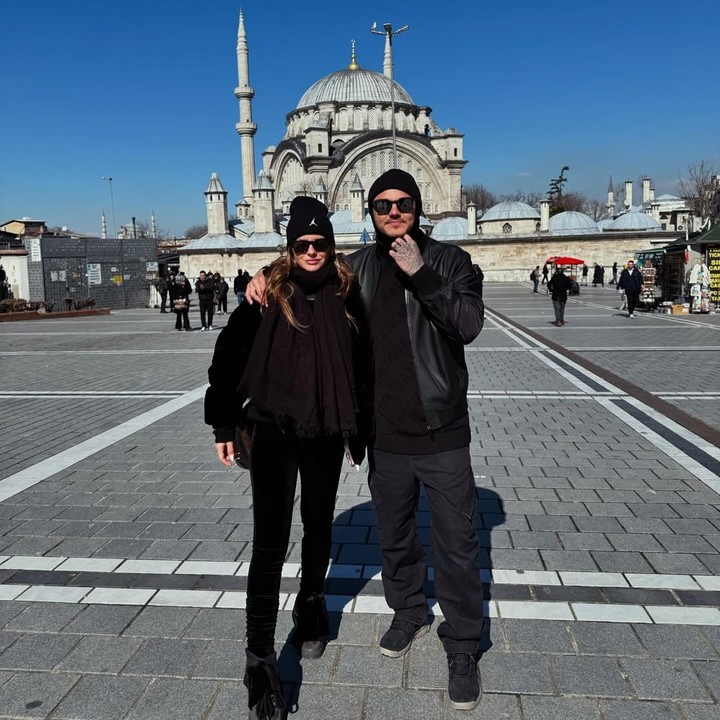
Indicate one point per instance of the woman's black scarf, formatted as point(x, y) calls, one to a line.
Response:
point(304, 378)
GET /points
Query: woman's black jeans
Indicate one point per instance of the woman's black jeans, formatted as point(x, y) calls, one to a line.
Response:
point(276, 457)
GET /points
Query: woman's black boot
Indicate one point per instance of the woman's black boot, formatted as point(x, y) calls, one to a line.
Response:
point(312, 625)
point(266, 699)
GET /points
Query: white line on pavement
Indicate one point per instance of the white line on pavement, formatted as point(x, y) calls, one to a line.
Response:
point(49, 466)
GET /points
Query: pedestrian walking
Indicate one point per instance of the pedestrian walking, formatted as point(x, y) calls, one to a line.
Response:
point(614, 273)
point(221, 293)
point(294, 363)
point(559, 286)
point(584, 274)
point(420, 306)
point(205, 289)
point(180, 297)
point(535, 277)
point(598, 275)
point(631, 282)
point(545, 273)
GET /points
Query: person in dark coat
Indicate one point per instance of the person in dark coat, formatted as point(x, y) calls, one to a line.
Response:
point(631, 281)
point(180, 298)
point(240, 284)
point(559, 286)
point(295, 364)
point(221, 293)
point(205, 289)
point(584, 274)
point(545, 273)
point(162, 288)
point(598, 275)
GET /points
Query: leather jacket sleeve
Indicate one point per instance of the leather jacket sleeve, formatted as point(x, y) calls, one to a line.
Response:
point(450, 299)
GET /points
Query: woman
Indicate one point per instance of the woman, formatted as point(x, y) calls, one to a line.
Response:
point(221, 293)
point(180, 298)
point(294, 363)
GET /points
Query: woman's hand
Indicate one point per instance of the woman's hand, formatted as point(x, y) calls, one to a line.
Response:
point(255, 291)
point(226, 453)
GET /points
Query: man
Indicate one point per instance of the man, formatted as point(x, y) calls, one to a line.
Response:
point(584, 274)
point(162, 288)
point(535, 277)
point(559, 285)
point(205, 289)
point(420, 305)
point(545, 273)
point(240, 285)
point(631, 281)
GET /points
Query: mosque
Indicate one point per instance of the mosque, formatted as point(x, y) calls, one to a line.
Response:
point(339, 138)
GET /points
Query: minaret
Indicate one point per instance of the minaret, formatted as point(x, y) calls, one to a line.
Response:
point(245, 128)
point(103, 226)
point(216, 205)
point(610, 205)
point(357, 200)
point(153, 225)
point(264, 204)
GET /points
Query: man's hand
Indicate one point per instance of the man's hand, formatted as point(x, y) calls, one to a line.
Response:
point(255, 291)
point(226, 453)
point(405, 252)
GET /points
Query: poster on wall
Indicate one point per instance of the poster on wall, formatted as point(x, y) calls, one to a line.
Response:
point(34, 247)
point(94, 274)
point(713, 263)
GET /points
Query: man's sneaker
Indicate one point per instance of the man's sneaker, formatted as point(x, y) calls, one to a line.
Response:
point(203, 329)
point(210, 327)
point(632, 315)
point(399, 637)
point(463, 683)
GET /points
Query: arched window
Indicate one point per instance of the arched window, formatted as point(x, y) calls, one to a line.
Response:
point(537, 227)
point(357, 119)
point(343, 120)
point(363, 167)
point(372, 119)
point(507, 229)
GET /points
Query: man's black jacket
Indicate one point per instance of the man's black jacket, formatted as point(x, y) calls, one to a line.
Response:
point(444, 314)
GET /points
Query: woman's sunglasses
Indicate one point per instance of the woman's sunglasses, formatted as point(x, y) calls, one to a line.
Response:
point(302, 246)
point(404, 205)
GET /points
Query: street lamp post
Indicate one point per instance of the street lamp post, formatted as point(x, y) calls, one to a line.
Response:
point(389, 33)
point(122, 249)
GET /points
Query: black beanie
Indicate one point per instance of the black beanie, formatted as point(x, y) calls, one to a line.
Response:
point(309, 216)
point(397, 180)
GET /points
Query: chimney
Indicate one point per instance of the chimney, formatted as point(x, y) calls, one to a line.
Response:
point(472, 219)
point(134, 227)
point(628, 194)
point(544, 215)
point(646, 190)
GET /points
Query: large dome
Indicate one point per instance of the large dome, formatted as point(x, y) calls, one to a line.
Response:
point(510, 210)
point(634, 220)
point(351, 86)
point(572, 222)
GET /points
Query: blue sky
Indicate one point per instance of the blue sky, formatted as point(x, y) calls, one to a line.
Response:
point(143, 92)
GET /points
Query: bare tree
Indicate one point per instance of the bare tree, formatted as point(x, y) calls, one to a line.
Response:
point(529, 198)
point(196, 231)
point(479, 195)
point(700, 188)
point(595, 208)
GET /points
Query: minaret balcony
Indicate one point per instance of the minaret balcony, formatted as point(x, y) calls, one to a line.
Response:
point(244, 92)
point(245, 128)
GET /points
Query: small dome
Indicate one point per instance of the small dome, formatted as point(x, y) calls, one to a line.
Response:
point(450, 228)
point(352, 86)
point(634, 220)
point(602, 224)
point(511, 210)
point(571, 222)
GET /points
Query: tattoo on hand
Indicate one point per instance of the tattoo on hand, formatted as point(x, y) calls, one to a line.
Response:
point(407, 255)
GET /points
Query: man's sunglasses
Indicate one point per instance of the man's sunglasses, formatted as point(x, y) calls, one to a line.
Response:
point(302, 246)
point(383, 207)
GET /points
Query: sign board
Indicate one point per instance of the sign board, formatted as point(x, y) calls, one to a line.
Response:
point(151, 267)
point(713, 263)
point(34, 244)
point(94, 274)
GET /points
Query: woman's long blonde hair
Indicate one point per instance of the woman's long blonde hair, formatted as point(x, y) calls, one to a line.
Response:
point(279, 287)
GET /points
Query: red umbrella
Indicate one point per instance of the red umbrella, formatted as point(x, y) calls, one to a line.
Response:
point(564, 261)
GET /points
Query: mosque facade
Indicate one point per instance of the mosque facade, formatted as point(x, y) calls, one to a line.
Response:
point(339, 139)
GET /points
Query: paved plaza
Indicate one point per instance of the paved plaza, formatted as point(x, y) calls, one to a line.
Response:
point(125, 545)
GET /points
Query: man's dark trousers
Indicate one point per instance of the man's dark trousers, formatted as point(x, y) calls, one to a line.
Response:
point(450, 490)
point(632, 299)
